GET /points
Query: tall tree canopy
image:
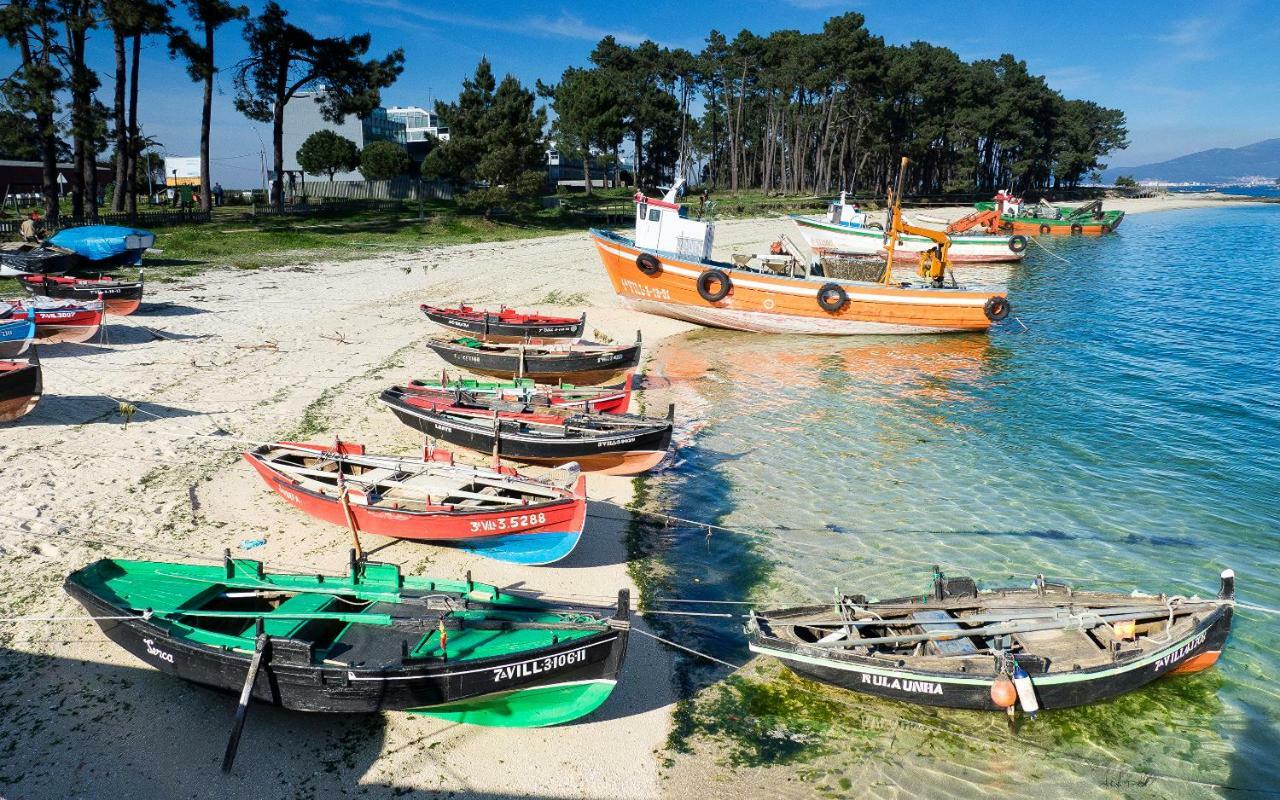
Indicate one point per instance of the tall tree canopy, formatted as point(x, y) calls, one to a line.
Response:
point(285, 59)
point(326, 153)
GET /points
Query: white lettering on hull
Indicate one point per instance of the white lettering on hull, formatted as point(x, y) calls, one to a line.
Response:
point(902, 685)
point(152, 650)
point(1181, 653)
point(531, 668)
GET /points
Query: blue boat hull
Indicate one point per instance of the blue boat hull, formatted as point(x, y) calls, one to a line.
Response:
point(531, 549)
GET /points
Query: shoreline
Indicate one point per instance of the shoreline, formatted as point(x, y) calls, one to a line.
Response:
point(297, 350)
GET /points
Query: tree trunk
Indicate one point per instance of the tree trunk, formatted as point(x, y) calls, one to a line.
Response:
point(121, 133)
point(131, 177)
point(206, 117)
point(586, 170)
point(277, 153)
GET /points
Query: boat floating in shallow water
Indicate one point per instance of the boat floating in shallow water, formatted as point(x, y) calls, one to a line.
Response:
point(371, 640)
point(1045, 647)
point(496, 513)
point(668, 270)
point(1043, 217)
point(847, 230)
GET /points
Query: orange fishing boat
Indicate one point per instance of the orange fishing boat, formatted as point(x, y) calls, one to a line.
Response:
point(667, 270)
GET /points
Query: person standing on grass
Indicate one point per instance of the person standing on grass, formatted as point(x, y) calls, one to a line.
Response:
point(217, 194)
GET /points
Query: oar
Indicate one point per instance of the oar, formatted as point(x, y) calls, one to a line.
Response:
point(242, 710)
point(1042, 614)
point(1083, 621)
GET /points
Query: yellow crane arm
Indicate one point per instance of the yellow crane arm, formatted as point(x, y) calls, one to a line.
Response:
point(934, 262)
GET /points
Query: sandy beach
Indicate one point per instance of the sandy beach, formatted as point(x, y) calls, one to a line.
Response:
point(231, 357)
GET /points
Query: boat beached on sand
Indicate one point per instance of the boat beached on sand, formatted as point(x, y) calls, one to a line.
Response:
point(122, 298)
point(497, 513)
point(603, 399)
point(17, 331)
point(1048, 646)
point(668, 270)
point(847, 230)
point(21, 385)
point(61, 321)
point(505, 324)
point(579, 361)
point(371, 640)
point(615, 444)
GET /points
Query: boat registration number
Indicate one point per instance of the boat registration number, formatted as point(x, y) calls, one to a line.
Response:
point(513, 522)
point(631, 287)
point(529, 668)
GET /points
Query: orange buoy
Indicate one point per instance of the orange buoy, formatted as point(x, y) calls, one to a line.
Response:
point(1003, 692)
point(776, 248)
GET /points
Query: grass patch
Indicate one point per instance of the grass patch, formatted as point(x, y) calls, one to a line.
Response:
point(555, 297)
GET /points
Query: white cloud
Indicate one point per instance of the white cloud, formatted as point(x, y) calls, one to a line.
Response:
point(565, 26)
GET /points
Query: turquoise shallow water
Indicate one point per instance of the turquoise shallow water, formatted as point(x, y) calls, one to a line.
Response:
point(1130, 435)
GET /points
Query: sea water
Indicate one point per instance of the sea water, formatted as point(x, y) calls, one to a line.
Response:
point(1121, 431)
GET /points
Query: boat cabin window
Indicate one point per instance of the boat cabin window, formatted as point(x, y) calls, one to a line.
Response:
point(654, 215)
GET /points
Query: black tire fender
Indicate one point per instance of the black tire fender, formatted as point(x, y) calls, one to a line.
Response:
point(1044, 228)
point(832, 297)
point(648, 264)
point(714, 276)
point(1076, 229)
point(1017, 243)
point(996, 308)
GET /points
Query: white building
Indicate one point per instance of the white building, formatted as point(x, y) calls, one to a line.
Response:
point(418, 123)
point(302, 118)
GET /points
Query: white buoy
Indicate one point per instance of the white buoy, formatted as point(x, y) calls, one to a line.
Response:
point(1026, 691)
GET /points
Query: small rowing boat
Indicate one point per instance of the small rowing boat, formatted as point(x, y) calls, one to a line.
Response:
point(505, 324)
point(1048, 646)
point(543, 362)
point(61, 321)
point(21, 385)
point(1046, 218)
point(615, 444)
point(847, 230)
point(602, 399)
point(367, 641)
point(497, 513)
point(122, 298)
point(16, 331)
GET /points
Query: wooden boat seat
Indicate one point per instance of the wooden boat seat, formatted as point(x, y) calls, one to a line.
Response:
point(300, 603)
point(941, 621)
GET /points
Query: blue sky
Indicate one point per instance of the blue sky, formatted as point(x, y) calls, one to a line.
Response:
point(1189, 75)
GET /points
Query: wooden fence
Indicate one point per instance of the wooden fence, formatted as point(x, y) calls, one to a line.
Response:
point(395, 189)
point(143, 219)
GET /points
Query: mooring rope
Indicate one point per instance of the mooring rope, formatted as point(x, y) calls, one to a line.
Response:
point(1032, 239)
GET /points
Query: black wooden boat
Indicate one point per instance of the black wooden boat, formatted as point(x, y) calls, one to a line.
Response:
point(122, 298)
point(616, 444)
point(505, 324)
point(370, 640)
point(582, 363)
point(21, 385)
point(1048, 646)
point(20, 258)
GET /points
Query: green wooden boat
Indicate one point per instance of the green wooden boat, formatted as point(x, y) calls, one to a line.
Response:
point(1043, 217)
point(370, 640)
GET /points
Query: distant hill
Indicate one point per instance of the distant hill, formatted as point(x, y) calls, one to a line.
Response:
point(1219, 165)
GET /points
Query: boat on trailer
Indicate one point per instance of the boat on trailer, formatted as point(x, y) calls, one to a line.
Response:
point(505, 324)
point(367, 641)
point(496, 513)
point(848, 230)
point(602, 399)
point(122, 298)
point(1044, 647)
point(581, 362)
point(1046, 218)
point(21, 385)
point(615, 444)
point(667, 270)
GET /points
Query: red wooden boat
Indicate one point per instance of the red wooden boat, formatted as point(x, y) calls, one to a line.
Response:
point(122, 298)
point(62, 321)
point(499, 513)
point(20, 387)
point(601, 399)
point(505, 324)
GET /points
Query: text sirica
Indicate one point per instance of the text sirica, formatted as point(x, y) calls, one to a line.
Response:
point(152, 650)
